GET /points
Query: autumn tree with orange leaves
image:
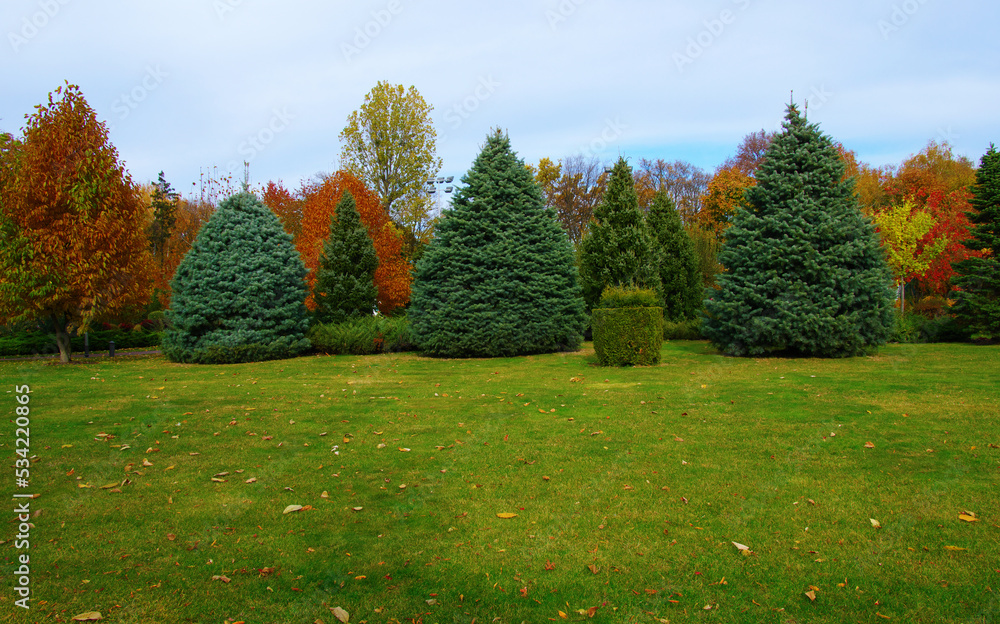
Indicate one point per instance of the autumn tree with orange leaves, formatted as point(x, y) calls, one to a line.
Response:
point(318, 205)
point(73, 244)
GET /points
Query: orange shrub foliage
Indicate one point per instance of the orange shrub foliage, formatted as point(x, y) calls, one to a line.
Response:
point(319, 202)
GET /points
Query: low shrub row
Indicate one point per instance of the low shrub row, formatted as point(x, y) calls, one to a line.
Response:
point(40, 343)
point(364, 336)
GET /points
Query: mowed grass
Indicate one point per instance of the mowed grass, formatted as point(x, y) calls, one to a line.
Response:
point(630, 487)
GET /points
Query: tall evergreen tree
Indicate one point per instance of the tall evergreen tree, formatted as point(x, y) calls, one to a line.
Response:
point(164, 217)
point(345, 279)
point(804, 271)
point(978, 296)
point(238, 294)
point(680, 274)
point(618, 249)
point(498, 279)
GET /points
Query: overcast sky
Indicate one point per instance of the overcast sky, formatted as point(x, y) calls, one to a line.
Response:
point(191, 84)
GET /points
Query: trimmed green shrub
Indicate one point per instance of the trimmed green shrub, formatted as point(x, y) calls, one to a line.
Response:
point(628, 331)
point(363, 336)
point(239, 293)
point(498, 279)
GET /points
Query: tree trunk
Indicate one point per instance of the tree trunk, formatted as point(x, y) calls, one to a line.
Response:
point(62, 339)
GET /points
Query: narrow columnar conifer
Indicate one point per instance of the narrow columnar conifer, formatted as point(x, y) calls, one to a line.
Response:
point(345, 279)
point(977, 306)
point(498, 279)
point(680, 275)
point(618, 249)
point(804, 273)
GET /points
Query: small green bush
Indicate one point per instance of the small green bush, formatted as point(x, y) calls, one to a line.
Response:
point(917, 328)
point(159, 319)
point(683, 330)
point(621, 297)
point(364, 336)
point(628, 336)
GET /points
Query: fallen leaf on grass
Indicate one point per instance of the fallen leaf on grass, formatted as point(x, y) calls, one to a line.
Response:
point(252, 480)
point(221, 474)
point(968, 516)
point(171, 536)
point(875, 523)
point(593, 568)
point(954, 548)
point(563, 615)
point(292, 508)
point(89, 616)
point(341, 615)
point(218, 480)
point(147, 463)
point(741, 547)
point(549, 565)
point(506, 515)
point(869, 445)
point(219, 577)
point(811, 595)
point(404, 450)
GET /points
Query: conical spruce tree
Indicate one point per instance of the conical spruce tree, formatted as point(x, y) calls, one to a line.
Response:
point(977, 306)
point(498, 279)
point(345, 279)
point(618, 250)
point(680, 274)
point(238, 295)
point(804, 271)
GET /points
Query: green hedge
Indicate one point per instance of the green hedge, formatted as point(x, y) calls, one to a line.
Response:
point(682, 330)
point(39, 343)
point(364, 336)
point(628, 336)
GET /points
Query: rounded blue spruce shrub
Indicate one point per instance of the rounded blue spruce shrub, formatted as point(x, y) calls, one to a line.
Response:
point(499, 278)
point(239, 293)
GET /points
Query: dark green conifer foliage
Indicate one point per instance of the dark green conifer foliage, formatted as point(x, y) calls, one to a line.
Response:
point(618, 250)
point(977, 305)
point(345, 278)
point(680, 273)
point(498, 279)
point(804, 271)
point(239, 293)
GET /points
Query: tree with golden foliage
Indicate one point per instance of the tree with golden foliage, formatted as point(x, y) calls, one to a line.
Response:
point(319, 202)
point(73, 246)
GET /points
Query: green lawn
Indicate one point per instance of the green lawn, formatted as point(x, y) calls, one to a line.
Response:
point(629, 488)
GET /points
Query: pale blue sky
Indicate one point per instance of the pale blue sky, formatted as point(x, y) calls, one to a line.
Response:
point(190, 84)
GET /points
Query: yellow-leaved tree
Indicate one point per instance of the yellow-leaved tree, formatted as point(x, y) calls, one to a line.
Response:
point(904, 229)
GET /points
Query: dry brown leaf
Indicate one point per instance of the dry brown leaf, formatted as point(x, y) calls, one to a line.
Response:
point(954, 548)
point(869, 445)
point(741, 547)
point(341, 615)
point(968, 516)
point(218, 480)
point(593, 568)
point(221, 474)
point(252, 480)
point(89, 616)
point(811, 595)
point(292, 508)
point(171, 536)
point(549, 565)
point(506, 515)
point(147, 463)
point(563, 615)
point(219, 577)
